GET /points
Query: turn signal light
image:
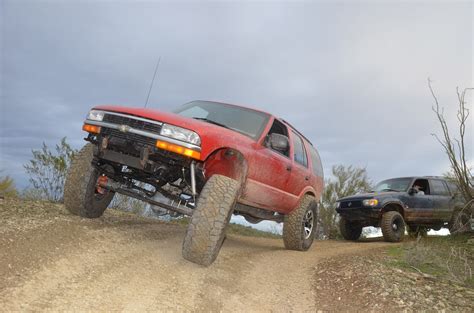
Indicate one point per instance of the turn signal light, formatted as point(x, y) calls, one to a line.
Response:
point(91, 128)
point(178, 149)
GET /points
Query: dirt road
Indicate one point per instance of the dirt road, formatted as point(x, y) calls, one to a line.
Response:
point(52, 260)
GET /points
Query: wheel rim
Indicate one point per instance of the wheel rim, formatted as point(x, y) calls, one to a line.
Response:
point(308, 224)
point(397, 225)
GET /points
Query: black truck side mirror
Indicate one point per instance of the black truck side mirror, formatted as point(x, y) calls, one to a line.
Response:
point(412, 191)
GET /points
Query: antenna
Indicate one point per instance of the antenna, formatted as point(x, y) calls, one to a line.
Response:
point(152, 81)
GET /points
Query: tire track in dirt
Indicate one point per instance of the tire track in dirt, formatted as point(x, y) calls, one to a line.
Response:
point(123, 263)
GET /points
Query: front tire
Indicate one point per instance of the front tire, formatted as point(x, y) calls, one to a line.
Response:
point(206, 231)
point(393, 226)
point(299, 225)
point(349, 230)
point(80, 189)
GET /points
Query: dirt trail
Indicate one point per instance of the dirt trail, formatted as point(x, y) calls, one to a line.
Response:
point(120, 262)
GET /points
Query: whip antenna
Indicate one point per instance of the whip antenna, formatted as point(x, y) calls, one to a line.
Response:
point(152, 81)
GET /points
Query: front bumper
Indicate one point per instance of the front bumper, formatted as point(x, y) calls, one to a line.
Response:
point(359, 213)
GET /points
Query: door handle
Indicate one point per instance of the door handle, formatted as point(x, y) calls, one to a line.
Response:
point(288, 168)
point(306, 178)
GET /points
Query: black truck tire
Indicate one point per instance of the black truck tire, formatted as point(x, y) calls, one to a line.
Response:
point(299, 226)
point(80, 189)
point(393, 226)
point(206, 230)
point(350, 230)
point(459, 222)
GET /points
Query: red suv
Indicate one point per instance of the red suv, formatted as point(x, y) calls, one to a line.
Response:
point(210, 159)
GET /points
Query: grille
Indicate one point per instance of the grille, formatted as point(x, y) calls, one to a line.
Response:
point(354, 204)
point(129, 138)
point(134, 123)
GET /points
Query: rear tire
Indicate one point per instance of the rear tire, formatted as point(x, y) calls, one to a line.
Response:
point(393, 226)
point(206, 231)
point(459, 222)
point(300, 225)
point(80, 189)
point(349, 230)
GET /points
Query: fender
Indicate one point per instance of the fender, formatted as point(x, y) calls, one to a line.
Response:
point(227, 162)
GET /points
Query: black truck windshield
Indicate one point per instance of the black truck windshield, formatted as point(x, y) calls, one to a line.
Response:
point(246, 121)
point(395, 184)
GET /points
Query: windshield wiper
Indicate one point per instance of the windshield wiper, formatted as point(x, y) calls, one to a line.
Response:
point(210, 121)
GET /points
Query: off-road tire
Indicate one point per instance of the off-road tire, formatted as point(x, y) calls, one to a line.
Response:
point(393, 226)
point(206, 230)
point(294, 235)
point(80, 196)
point(459, 222)
point(350, 230)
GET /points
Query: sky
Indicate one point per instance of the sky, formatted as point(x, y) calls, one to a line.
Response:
point(350, 75)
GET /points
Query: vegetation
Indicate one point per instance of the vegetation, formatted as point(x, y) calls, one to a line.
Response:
point(47, 170)
point(455, 146)
point(7, 187)
point(346, 181)
point(446, 258)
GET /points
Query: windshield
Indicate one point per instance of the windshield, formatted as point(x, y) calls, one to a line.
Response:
point(246, 121)
point(395, 184)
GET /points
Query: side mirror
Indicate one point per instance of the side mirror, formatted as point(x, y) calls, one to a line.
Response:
point(412, 191)
point(279, 142)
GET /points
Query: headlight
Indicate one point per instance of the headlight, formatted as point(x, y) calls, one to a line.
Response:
point(180, 133)
point(370, 202)
point(95, 115)
point(338, 205)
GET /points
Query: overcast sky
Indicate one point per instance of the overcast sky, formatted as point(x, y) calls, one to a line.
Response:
point(352, 76)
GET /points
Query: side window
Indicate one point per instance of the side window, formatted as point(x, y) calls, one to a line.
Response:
point(316, 161)
point(422, 185)
point(299, 150)
point(438, 187)
point(277, 128)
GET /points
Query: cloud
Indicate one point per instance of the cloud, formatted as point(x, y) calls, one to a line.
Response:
point(351, 77)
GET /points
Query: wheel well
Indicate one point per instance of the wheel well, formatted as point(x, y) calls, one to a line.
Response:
point(227, 162)
point(393, 207)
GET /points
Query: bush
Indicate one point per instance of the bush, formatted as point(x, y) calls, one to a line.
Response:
point(7, 187)
point(47, 170)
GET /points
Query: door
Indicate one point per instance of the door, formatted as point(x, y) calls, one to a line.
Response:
point(268, 176)
point(420, 205)
point(442, 200)
point(300, 173)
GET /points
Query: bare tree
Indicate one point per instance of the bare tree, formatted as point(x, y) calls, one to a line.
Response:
point(455, 147)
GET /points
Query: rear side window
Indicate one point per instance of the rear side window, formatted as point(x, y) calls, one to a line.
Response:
point(316, 161)
point(438, 187)
point(299, 150)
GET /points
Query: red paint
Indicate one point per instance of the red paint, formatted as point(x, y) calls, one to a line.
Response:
point(273, 182)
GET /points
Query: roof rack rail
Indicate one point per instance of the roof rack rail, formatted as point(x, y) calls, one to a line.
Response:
point(297, 131)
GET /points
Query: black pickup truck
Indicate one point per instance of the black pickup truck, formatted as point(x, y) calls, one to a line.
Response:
point(420, 203)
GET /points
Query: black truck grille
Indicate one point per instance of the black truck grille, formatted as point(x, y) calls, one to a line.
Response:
point(351, 204)
point(134, 123)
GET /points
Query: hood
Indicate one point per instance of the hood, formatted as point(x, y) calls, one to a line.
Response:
point(369, 195)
